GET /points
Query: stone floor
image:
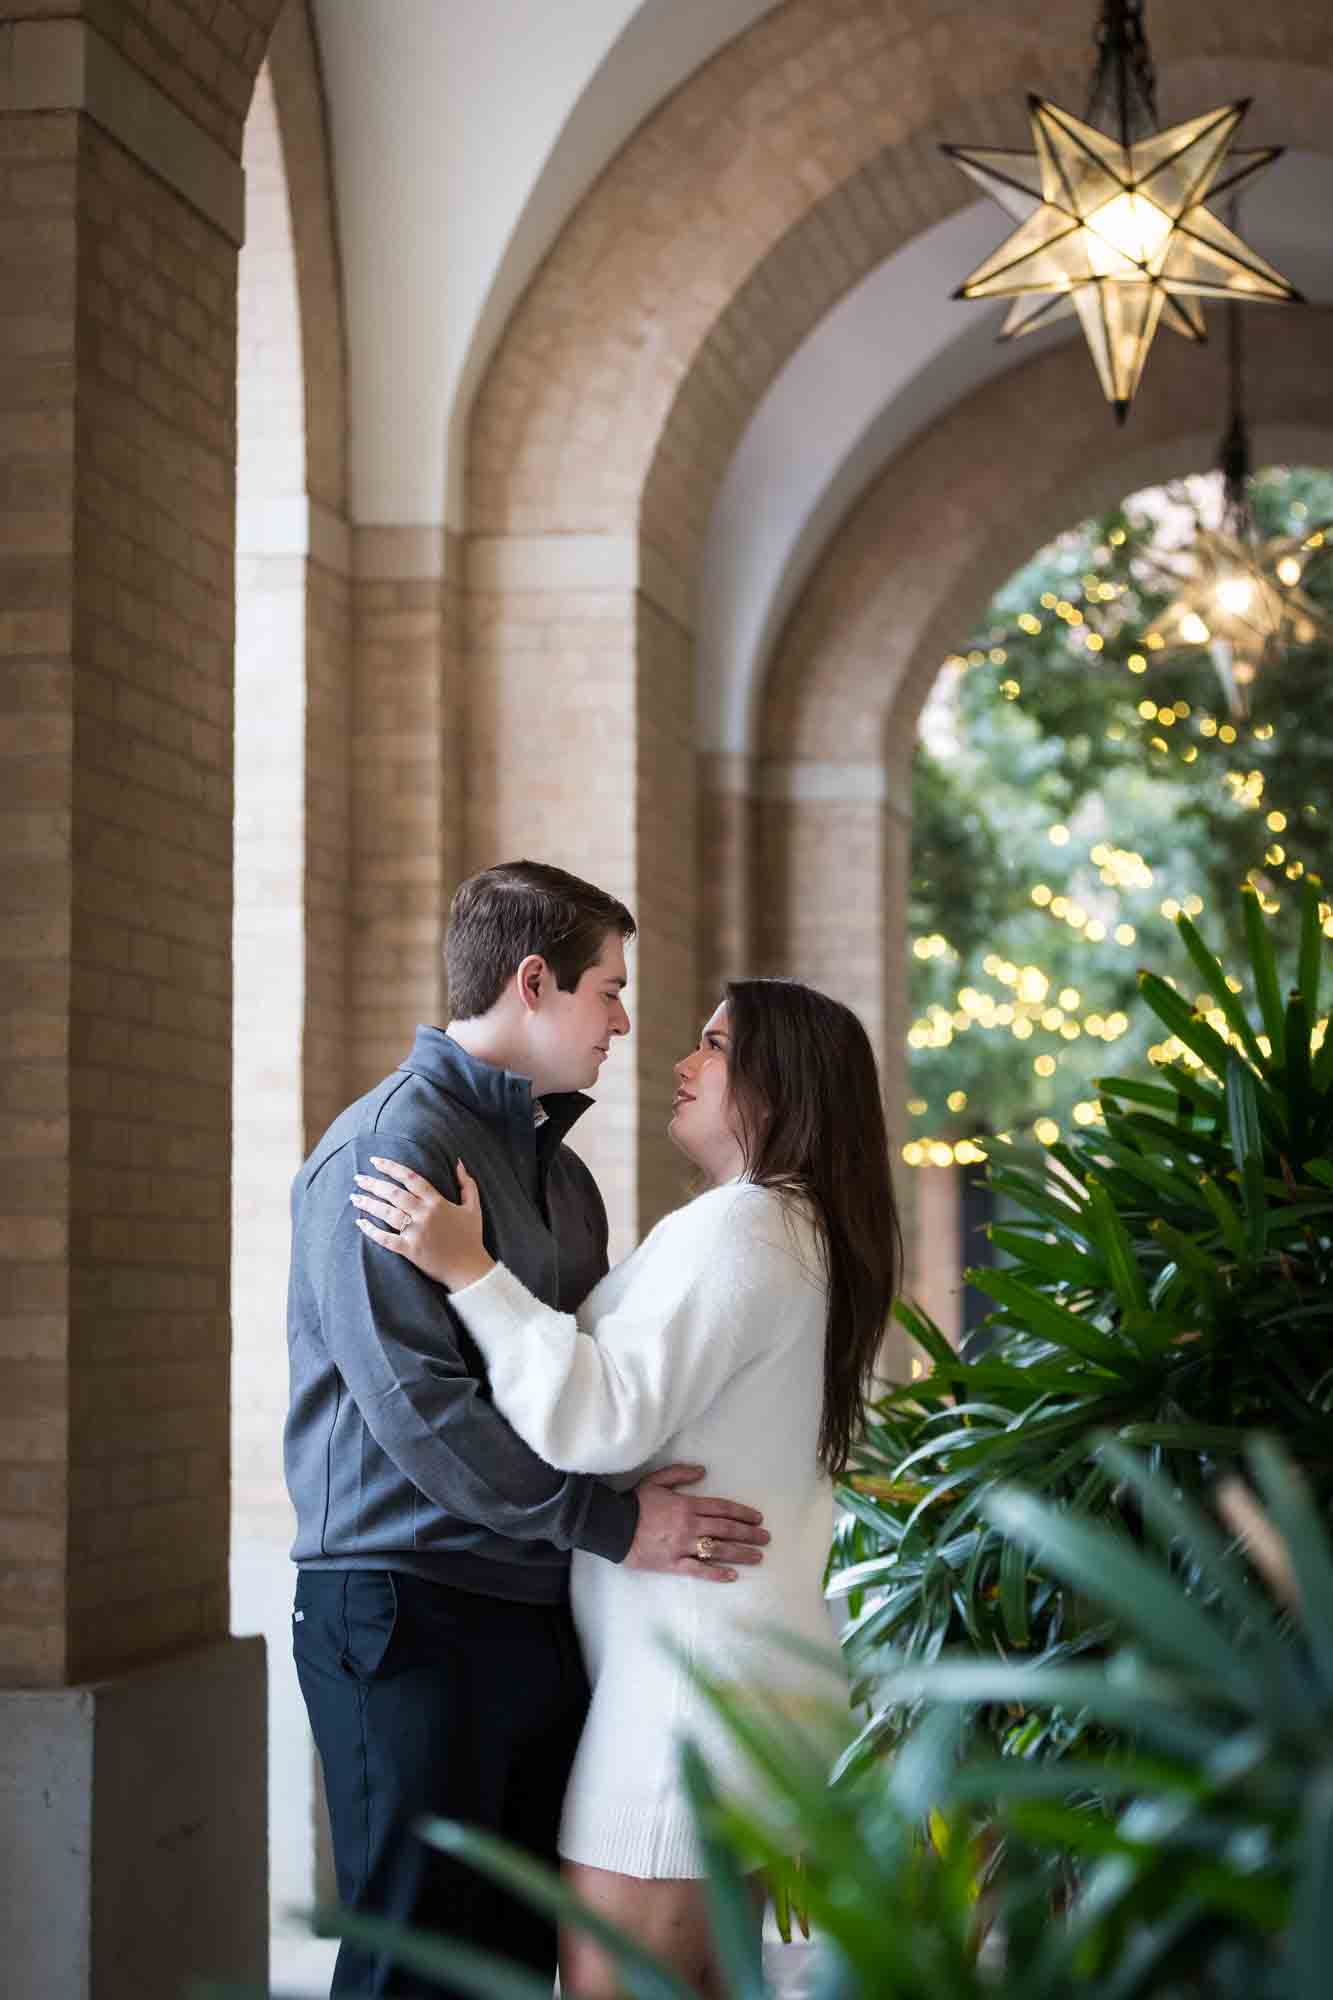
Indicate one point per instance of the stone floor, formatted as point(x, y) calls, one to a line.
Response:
point(302, 1967)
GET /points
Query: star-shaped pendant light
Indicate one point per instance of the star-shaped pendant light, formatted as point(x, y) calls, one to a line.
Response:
point(1235, 596)
point(1113, 226)
point(1242, 601)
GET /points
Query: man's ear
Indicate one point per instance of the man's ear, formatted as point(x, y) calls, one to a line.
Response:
point(531, 981)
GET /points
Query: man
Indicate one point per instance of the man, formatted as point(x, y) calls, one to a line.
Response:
point(433, 1639)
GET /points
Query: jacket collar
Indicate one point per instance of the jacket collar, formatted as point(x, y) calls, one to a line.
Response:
point(500, 1096)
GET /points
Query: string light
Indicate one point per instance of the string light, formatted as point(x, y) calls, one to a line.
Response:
point(943, 1153)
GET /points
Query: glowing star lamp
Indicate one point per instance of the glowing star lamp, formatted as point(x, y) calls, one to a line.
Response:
point(1237, 597)
point(1112, 225)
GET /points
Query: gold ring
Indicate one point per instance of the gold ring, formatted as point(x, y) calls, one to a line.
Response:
point(705, 1548)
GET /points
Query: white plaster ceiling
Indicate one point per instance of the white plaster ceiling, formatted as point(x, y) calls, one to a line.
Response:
point(464, 133)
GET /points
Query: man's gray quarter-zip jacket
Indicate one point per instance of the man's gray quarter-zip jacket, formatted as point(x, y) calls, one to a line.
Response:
point(396, 1457)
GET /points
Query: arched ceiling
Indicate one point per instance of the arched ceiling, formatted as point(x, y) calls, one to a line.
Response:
point(464, 134)
point(890, 359)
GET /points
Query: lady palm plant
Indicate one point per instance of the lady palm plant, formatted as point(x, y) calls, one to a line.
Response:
point(1171, 1281)
point(1184, 1854)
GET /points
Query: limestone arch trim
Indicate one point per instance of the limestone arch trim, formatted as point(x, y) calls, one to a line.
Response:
point(298, 92)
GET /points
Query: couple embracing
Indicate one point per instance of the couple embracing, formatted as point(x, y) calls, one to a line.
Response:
point(494, 1444)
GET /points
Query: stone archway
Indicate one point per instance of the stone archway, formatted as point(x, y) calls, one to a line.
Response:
point(909, 571)
point(787, 167)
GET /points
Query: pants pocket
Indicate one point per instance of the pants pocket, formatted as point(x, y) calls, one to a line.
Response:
point(370, 1614)
point(344, 1621)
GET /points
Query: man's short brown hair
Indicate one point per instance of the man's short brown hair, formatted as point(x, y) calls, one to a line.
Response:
point(508, 913)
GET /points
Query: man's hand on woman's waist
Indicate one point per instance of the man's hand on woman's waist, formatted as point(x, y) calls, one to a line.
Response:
point(692, 1534)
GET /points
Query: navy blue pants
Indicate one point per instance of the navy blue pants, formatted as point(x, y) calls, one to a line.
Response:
point(424, 1699)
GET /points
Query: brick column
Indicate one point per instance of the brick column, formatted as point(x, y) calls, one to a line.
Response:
point(117, 338)
point(407, 791)
point(726, 872)
point(602, 781)
point(832, 857)
point(824, 847)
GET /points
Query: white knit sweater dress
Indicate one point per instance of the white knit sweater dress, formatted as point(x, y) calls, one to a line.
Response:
point(707, 1346)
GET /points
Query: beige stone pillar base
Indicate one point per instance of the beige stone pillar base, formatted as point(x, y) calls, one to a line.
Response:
point(132, 1835)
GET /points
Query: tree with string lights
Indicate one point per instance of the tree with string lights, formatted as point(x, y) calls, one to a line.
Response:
point(1075, 789)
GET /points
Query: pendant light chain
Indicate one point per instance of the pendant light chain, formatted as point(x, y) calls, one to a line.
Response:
point(1122, 97)
point(1235, 456)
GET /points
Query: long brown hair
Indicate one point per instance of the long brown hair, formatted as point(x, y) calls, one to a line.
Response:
point(805, 1092)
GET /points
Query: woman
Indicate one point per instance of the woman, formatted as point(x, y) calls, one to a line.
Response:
point(741, 1335)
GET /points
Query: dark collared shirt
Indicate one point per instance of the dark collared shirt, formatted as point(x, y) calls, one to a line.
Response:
point(396, 1457)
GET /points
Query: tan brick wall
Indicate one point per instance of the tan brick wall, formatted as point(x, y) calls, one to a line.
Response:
point(665, 899)
point(203, 53)
point(406, 812)
point(820, 899)
point(830, 907)
point(550, 762)
point(150, 1014)
point(579, 751)
point(38, 182)
point(726, 865)
point(118, 646)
